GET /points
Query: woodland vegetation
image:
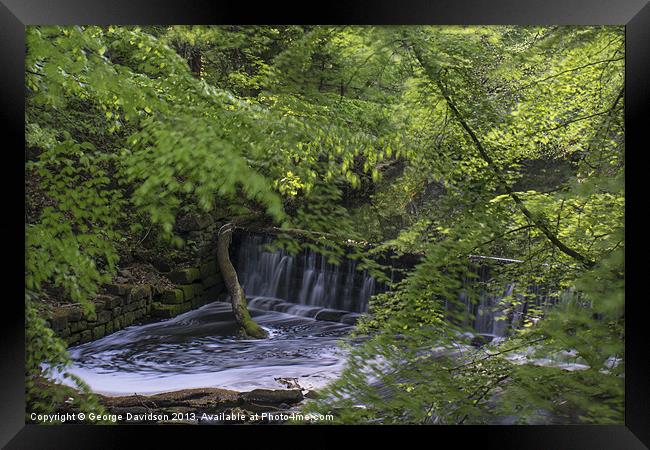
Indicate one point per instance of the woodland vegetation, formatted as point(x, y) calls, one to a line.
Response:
point(357, 142)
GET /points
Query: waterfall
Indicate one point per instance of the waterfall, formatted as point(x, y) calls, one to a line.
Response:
point(307, 285)
point(306, 279)
point(494, 311)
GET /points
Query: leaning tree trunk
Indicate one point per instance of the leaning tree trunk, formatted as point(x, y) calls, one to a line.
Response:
point(237, 296)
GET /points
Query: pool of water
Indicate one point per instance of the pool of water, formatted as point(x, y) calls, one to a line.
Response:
point(199, 349)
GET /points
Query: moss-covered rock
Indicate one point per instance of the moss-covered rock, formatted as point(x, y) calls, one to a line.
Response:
point(99, 331)
point(157, 290)
point(111, 301)
point(209, 268)
point(75, 314)
point(188, 291)
point(331, 315)
point(129, 318)
point(168, 311)
point(350, 319)
point(78, 326)
point(58, 319)
point(131, 306)
point(104, 316)
point(86, 336)
point(197, 288)
point(118, 289)
point(212, 294)
point(73, 338)
point(184, 276)
point(213, 280)
point(194, 222)
point(139, 292)
point(90, 316)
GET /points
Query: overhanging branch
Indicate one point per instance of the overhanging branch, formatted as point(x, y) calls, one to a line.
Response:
point(536, 220)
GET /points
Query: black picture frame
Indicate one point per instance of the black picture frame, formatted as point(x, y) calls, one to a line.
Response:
point(16, 14)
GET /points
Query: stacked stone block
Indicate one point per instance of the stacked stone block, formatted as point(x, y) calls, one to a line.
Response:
point(193, 287)
point(122, 306)
point(125, 304)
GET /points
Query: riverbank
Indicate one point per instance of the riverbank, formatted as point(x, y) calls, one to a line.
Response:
point(187, 406)
point(206, 406)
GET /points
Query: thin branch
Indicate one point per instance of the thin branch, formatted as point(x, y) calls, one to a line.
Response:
point(359, 66)
point(144, 237)
point(539, 222)
point(491, 355)
point(502, 235)
point(567, 123)
point(485, 392)
point(605, 125)
point(568, 71)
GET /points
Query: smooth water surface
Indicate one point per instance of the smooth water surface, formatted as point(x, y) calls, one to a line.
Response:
point(199, 349)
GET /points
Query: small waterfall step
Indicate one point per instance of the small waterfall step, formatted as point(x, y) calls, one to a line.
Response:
point(312, 312)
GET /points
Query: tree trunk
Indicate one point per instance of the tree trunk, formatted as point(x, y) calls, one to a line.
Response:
point(237, 296)
point(195, 62)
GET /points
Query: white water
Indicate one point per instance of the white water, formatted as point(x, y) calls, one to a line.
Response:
point(198, 349)
point(277, 275)
point(286, 294)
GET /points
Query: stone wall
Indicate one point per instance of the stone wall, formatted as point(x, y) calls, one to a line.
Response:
point(194, 287)
point(125, 304)
point(112, 312)
point(122, 304)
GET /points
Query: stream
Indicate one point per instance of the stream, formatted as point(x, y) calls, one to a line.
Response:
point(198, 349)
point(293, 297)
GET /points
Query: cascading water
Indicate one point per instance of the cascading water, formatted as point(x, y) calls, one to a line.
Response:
point(494, 311)
point(307, 281)
point(200, 348)
point(306, 284)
